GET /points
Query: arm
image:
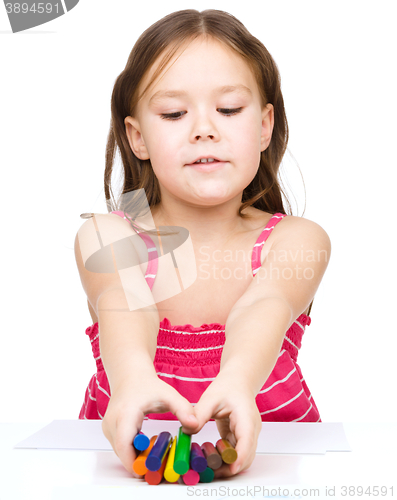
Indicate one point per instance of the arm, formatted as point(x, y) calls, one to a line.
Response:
point(128, 325)
point(127, 332)
point(295, 261)
point(281, 290)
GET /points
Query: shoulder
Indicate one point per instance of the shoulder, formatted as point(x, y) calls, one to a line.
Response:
point(110, 227)
point(98, 232)
point(292, 227)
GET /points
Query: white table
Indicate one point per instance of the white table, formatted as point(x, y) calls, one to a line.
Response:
point(75, 475)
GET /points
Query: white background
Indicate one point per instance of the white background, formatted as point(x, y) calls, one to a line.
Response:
point(337, 63)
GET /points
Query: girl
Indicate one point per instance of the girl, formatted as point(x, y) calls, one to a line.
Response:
point(199, 119)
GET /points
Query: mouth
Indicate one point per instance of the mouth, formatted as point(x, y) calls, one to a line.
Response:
point(206, 160)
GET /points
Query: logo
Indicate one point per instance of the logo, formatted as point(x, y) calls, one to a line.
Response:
point(148, 264)
point(28, 14)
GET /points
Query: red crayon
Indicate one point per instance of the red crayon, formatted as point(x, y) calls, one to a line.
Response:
point(156, 476)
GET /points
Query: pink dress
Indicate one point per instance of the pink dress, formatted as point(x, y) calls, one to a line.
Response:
point(188, 358)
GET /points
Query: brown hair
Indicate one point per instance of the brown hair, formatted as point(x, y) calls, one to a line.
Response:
point(164, 38)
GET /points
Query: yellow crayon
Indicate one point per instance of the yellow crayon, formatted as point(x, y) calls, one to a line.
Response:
point(169, 474)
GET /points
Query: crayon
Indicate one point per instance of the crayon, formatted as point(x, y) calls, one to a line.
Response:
point(141, 441)
point(198, 462)
point(191, 477)
point(226, 450)
point(157, 453)
point(207, 476)
point(156, 476)
point(169, 474)
point(182, 452)
point(214, 460)
point(139, 463)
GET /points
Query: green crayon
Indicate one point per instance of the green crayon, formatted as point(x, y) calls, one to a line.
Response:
point(182, 453)
point(207, 476)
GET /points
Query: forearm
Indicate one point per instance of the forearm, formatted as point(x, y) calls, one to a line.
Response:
point(127, 339)
point(254, 336)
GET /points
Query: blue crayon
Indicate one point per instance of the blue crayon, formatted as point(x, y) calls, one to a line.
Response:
point(198, 462)
point(157, 453)
point(141, 441)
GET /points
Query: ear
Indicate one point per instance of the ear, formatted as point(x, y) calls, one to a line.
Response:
point(135, 138)
point(267, 125)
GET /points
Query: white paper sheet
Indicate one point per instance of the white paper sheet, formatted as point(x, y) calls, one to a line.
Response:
point(275, 437)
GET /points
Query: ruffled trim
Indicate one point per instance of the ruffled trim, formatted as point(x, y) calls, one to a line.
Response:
point(199, 345)
point(165, 324)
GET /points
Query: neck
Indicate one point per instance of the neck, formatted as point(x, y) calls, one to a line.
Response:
point(209, 225)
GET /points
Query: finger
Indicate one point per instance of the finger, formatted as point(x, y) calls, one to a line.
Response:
point(223, 471)
point(123, 439)
point(184, 412)
point(244, 439)
point(223, 425)
point(204, 411)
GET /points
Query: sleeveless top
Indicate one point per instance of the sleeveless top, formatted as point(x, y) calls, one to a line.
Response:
point(188, 358)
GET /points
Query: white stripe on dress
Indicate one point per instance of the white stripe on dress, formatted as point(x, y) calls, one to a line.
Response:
point(89, 395)
point(290, 341)
point(284, 404)
point(297, 322)
point(101, 388)
point(304, 415)
point(278, 382)
point(96, 336)
point(190, 350)
point(187, 379)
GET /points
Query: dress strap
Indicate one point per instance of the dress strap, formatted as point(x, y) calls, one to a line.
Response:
point(256, 252)
point(151, 270)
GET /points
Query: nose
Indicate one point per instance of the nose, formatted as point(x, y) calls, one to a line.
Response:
point(204, 129)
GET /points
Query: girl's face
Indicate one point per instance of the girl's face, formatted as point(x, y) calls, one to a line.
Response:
point(205, 105)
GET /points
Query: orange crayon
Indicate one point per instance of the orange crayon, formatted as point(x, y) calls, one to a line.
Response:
point(139, 466)
point(226, 450)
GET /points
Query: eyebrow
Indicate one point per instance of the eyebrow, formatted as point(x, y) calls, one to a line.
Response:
point(226, 89)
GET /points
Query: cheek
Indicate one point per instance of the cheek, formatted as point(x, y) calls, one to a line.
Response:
point(163, 143)
point(248, 142)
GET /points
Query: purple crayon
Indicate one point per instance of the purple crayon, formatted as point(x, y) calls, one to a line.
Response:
point(141, 441)
point(198, 462)
point(157, 453)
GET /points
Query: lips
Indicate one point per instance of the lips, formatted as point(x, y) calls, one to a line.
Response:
point(205, 160)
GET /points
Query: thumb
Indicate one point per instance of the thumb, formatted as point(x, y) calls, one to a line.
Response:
point(184, 412)
point(204, 410)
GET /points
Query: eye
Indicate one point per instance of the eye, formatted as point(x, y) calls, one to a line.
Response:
point(230, 111)
point(173, 116)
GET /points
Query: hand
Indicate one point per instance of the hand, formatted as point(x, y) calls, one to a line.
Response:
point(128, 406)
point(237, 417)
